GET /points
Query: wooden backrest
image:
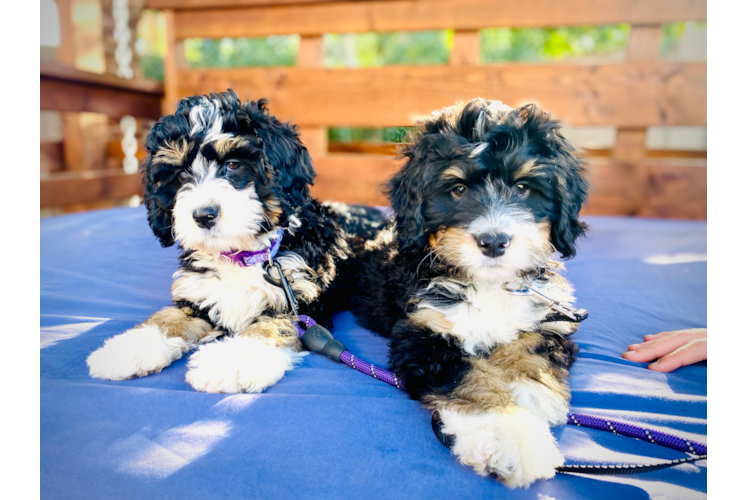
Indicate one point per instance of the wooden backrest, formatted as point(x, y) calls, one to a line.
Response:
point(632, 95)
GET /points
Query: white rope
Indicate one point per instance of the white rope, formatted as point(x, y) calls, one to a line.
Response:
point(122, 35)
point(129, 143)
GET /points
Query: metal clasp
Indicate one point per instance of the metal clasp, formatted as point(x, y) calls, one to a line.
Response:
point(282, 283)
point(525, 290)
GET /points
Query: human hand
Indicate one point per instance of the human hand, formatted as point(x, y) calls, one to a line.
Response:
point(674, 349)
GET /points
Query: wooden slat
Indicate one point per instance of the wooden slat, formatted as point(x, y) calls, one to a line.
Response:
point(466, 49)
point(50, 157)
point(673, 188)
point(643, 46)
point(203, 4)
point(415, 15)
point(353, 178)
point(67, 89)
point(83, 187)
point(727, 93)
point(628, 94)
point(312, 55)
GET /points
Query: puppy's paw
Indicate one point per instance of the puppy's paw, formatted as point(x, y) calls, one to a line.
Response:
point(136, 353)
point(239, 364)
point(543, 402)
point(516, 445)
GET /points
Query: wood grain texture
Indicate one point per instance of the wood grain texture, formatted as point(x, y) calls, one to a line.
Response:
point(84, 187)
point(64, 88)
point(416, 15)
point(727, 96)
point(466, 48)
point(627, 94)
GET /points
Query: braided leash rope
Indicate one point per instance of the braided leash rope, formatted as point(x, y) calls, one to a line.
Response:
point(337, 352)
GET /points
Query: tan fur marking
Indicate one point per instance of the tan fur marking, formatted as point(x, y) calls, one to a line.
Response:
point(449, 244)
point(453, 173)
point(225, 145)
point(528, 168)
point(173, 153)
point(486, 386)
point(431, 319)
point(175, 322)
point(280, 329)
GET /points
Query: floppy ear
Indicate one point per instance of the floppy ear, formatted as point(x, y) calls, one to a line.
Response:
point(158, 197)
point(292, 165)
point(406, 196)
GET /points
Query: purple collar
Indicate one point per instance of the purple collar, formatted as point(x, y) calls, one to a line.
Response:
point(247, 258)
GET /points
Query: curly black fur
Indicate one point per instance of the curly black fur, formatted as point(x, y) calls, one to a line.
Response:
point(488, 144)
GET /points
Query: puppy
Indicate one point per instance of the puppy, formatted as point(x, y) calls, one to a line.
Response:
point(486, 194)
point(222, 178)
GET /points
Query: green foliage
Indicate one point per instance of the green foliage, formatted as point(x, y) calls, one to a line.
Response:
point(153, 66)
point(389, 134)
point(367, 50)
point(238, 52)
point(538, 44)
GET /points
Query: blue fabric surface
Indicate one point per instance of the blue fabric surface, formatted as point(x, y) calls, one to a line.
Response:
point(326, 431)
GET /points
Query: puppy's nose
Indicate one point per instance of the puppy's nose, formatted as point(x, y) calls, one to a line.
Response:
point(205, 217)
point(493, 245)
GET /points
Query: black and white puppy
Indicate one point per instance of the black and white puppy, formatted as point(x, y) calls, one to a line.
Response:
point(485, 197)
point(223, 177)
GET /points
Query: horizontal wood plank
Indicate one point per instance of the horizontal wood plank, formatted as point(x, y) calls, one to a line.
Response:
point(68, 89)
point(672, 188)
point(214, 21)
point(626, 94)
point(84, 187)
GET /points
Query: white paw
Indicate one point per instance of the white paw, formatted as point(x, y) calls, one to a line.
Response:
point(516, 446)
point(239, 364)
point(541, 401)
point(135, 353)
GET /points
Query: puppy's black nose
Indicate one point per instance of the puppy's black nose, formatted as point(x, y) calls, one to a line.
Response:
point(205, 217)
point(493, 245)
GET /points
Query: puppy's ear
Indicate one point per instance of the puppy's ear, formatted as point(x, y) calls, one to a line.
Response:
point(405, 191)
point(292, 165)
point(571, 186)
point(168, 152)
point(159, 197)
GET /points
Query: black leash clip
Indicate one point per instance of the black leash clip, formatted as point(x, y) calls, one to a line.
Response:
point(282, 283)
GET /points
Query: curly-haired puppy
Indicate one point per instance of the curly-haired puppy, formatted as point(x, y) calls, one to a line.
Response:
point(224, 177)
point(487, 193)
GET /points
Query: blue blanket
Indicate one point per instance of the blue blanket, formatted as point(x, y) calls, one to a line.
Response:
point(326, 431)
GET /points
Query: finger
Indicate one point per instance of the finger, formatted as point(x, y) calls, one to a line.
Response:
point(675, 332)
point(654, 349)
point(692, 352)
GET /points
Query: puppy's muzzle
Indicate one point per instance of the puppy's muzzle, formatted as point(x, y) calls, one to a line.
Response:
point(206, 217)
point(493, 245)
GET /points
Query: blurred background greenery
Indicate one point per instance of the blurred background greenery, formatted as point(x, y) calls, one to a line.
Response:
point(363, 50)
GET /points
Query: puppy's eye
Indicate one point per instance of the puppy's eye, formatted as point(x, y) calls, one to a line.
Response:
point(232, 165)
point(522, 189)
point(458, 191)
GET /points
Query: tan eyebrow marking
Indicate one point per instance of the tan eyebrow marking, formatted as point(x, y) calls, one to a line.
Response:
point(224, 146)
point(173, 153)
point(453, 173)
point(526, 169)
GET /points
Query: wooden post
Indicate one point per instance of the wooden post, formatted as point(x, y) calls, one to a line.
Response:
point(174, 54)
point(311, 55)
point(644, 45)
point(466, 49)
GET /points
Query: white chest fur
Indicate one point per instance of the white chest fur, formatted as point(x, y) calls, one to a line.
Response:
point(487, 316)
point(235, 296)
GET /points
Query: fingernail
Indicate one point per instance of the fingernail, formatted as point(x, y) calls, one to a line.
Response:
point(635, 346)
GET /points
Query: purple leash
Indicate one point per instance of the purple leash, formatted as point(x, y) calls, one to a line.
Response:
point(318, 339)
